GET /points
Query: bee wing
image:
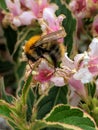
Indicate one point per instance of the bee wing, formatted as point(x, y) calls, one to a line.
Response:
point(51, 37)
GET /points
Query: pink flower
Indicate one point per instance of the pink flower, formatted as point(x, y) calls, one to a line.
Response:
point(78, 7)
point(44, 72)
point(93, 48)
point(53, 22)
point(73, 98)
point(78, 86)
point(71, 66)
point(84, 75)
point(23, 12)
point(95, 1)
point(46, 76)
point(67, 64)
point(37, 7)
point(14, 7)
point(58, 81)
point(93, 66)
point(18, 16)
point(45, 14)
point(76, 73)
point(93, 54)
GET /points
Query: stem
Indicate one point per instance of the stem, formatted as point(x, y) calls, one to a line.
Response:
point(39, 100)
point(19, 40)
point(34, 110)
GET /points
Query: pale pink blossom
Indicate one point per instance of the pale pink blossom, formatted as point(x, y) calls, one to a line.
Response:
point(95, 1)
point(69, 69)
point(45, 14)
point(76, 72)
point(67, 64)
point(84, 75)
point(93, 55)
point(46, 77)
point(45, 72)
point(37, 7)
point(58, 81)
point(93, 48)
point(18, 16)
point(88, 67)
point(24, 12)
point(78, 7)
point(53, 22)
point(93, 66)
point(78, 86)
point(73, 97)
point(14, 7)
point(71, 66)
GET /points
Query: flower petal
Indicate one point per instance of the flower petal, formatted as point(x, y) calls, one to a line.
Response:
point(93, 66)
point(58, 81)
point(67, 63)
point(94, 48)
point(33, 5)
point(16, 21)
point(78, 86)
point(26, 18)
point(14, 7)
point(83, 75)
point(44, 65)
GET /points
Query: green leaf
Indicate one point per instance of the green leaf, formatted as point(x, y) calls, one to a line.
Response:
point(21, 69)
point(71, 116)
point(30, 102)
point(2, 4)
point(6, 67)
point(11, 37)
point(5, 109)
point(91, 87)
point(69, 24)
point(24, 33)
point(13, 126)
point(26, 89)
point(41, 124)
point(4, 95)
point(56, 96)
point(8, 71)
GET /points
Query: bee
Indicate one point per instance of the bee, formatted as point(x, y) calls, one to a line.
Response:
point(46, 46)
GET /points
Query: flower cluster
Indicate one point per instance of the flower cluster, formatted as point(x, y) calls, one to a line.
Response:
point(26, 12)
point(75, 73)
point(45, 75)
point(85, 12)
point(83, 69)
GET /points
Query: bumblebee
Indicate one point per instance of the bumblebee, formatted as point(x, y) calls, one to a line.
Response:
point(46, 46)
